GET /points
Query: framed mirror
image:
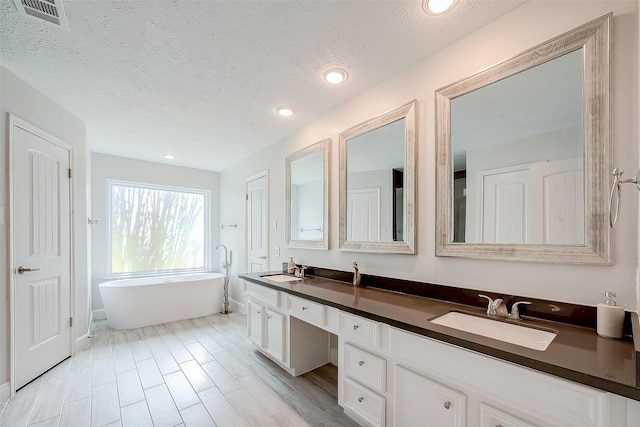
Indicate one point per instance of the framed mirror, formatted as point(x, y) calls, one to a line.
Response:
point(377, 184)
point(523, 155)
point(307, 197)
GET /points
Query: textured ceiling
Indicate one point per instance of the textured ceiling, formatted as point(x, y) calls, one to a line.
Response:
point(202, 79)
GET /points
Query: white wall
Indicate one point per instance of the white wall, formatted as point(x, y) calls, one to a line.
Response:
point(120, 168)
point(19, 98)
point(521, 29)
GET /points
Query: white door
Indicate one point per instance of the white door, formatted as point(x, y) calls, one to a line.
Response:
point(557, 202)
point(41, 251)
point(257, 222)
point(504, 206)
point(363, 215)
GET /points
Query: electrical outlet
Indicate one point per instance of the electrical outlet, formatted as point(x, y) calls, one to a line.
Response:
point(277, 250)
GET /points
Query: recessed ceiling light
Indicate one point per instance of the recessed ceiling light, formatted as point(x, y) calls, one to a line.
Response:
point(285, 112)
point(169, 156)
point(335, 76)
point(435, 7)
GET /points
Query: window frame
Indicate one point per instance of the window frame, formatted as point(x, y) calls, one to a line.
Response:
point(172, 272)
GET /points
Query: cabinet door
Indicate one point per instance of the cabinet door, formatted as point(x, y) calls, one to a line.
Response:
point(419, 401)
point(255, 322)
point(492, 417)
point(275, 334)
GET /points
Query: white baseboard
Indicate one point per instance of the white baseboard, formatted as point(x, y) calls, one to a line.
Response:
point(5, 391)
point(237, 306)
point(99, 314)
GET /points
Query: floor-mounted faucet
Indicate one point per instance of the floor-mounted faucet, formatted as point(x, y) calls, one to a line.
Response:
point(227, 270)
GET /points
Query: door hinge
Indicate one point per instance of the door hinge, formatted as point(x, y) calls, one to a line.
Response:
point(70, 322)
point(69, 172)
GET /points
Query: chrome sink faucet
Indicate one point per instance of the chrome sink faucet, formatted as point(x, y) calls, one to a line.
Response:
point(515, 313)
point(300, 271)
point(496, 307)
point(356, 274)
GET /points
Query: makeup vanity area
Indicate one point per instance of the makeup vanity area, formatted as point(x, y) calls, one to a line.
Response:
point(396, 367)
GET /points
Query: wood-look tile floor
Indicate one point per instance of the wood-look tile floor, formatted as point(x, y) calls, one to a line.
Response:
point(198, 372)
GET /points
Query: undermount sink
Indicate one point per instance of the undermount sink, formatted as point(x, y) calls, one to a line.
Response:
point(524, 336)
point(282, 278)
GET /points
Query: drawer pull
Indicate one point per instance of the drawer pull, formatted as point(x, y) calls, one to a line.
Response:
point(360, 399)
point(499, 425)
point(361, 362)
point(304, 307)
point(268, 317)
point(355, 327)
point(447, 405)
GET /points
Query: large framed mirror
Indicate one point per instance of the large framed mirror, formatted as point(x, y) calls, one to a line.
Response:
point(377, 184)
point(307, 197)
point(523, 155)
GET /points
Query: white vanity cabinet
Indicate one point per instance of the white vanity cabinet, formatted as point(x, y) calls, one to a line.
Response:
point(362, 370)
point(417, 400)
point(497, 392)
point(267, 329)
point(275, 328)
point(391, 377)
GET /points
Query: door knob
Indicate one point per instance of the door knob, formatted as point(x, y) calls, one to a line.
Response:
point(22, 270)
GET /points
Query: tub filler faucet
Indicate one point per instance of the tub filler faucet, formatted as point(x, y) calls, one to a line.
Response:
point(227, 272)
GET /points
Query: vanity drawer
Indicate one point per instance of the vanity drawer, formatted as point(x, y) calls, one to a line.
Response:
point(363, 402)
point(492, 417)
point(365, 367)
point(306, 310)
point(360, 329)
point(264, 294)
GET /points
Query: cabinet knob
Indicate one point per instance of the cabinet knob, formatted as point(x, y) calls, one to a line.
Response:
point(360, 399)
point(268, 317)
point(355, 327)
point(304, 307)
point(447, 405)
point(361, 362)
point(259, 311)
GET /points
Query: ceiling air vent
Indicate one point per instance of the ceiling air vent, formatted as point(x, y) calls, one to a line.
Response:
point(50, 11)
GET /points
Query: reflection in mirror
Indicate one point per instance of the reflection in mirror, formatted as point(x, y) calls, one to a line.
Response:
point(306, 221)
point(377, 186)
point(523, 154)
point(511, 159)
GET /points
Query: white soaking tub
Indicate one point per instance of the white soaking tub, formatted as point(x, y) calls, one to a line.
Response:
point(136, 302)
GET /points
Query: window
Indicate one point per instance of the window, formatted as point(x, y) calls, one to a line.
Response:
point(157, 229)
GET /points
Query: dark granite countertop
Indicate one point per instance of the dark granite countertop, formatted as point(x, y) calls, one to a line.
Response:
point(577, 353)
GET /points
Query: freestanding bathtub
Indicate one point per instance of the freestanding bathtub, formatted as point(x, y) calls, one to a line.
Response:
point(137, 302)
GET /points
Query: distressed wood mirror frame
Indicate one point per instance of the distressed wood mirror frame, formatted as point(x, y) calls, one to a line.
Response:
point(321, 147)
point(594, 39)
point(407, 245)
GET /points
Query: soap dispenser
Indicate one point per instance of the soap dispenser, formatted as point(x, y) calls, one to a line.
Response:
point(291, 266)
point(610, 317)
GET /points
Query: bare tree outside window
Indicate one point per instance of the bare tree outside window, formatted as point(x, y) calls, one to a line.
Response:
point(157, 229)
